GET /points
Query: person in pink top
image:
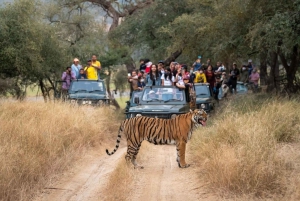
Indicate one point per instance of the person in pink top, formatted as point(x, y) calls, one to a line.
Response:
point(67, 77)
point(253, 80)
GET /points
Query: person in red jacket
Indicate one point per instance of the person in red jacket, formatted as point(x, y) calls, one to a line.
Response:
point(210, 77)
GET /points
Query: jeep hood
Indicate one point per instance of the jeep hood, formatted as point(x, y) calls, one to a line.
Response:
point(203, 100)
point(157, 108)
point(88, 96)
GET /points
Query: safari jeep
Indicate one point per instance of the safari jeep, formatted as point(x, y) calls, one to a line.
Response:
point(160, 102)
point(204, 98)
point(131, 102)
point(86, 92)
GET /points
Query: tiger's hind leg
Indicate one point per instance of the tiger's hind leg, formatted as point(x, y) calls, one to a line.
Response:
point(180, 147)
point(132, 154)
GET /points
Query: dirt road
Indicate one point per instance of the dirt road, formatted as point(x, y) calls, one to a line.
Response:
point(161, 179)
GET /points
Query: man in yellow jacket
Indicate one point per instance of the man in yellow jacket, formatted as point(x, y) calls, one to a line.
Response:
point(200, 77)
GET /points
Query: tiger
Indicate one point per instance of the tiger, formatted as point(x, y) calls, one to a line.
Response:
point(160, 132)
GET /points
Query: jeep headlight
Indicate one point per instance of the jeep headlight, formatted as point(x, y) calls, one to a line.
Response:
point(173, 116)
point(202, 106)
point(138, 115)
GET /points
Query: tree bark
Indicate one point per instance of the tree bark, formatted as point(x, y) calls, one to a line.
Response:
point(291, 69)
point(273, 81)
point(113, 101)
point(263, 67)
point(44, 92)
point(172, 57)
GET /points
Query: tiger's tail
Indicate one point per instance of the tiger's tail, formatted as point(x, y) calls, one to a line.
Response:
point(118, 141)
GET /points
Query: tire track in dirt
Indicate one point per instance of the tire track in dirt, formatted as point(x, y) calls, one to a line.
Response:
point(84, 180)
point(162, 179)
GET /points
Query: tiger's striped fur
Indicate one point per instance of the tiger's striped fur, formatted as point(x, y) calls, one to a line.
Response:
point(160, 131)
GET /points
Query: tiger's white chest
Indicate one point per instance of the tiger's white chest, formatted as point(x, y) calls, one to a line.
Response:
point(172, 142)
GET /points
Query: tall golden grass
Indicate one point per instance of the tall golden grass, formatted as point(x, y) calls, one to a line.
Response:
point(239, 151)
point(39, 140)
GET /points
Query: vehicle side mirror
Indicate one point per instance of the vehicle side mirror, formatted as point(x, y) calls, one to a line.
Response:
point(136, 100)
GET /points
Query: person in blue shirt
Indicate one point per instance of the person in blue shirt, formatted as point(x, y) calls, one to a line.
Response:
point(141, 83)
point(76, 67)
point(81, 75)
point(153, 78)
point(197, 65)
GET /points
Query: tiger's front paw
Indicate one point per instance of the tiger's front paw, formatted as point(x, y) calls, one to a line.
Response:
point(184, 166)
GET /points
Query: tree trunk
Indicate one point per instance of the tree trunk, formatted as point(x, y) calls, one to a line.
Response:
point(273, 81)
point(291, 69)
point(44, 93)
point(112, 101)
point(263, 68)
point(172, 57)
point(130, 65)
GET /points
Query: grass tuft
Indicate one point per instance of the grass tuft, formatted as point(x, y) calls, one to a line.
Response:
point(238, 152)
point(39, 140)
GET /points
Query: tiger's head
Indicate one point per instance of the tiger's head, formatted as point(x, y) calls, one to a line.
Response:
point(199, 117)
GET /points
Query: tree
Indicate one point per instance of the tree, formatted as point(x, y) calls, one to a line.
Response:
point(30, 52)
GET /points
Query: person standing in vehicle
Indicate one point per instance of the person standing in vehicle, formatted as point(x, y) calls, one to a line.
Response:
point(217, 87)
point(167, 79)
point(244, 74)
point(76, 67)
point(210, 77)
point(234, 74)
point(97, 65)
point(141, 83)
point(67, 77)
point(142, 65)
point(153, 78)
point(82, 74)
point(133, 80)
point(253, 80)
point(197, 64)
point(91, 72)
point(250, 66)
point(200, 77)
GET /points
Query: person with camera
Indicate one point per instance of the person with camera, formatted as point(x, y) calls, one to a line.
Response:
point(133, 80)
point(67, 77)
point(183, 77)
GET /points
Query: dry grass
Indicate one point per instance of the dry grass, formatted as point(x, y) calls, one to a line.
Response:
point(238, 152)
point(39, 140)
point(120, 180)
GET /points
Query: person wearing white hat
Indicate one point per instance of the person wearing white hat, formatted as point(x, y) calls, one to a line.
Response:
point(76, 67)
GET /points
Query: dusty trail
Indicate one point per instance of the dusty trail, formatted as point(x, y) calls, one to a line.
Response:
point(161, 179)
point(84, 180)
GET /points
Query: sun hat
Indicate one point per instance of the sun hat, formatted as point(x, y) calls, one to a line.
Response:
point(76, 59)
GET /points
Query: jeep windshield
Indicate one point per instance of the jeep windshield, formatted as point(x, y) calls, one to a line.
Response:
point(163, 95)
point(135, 94)
point(87, 87)
point(202, 91)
